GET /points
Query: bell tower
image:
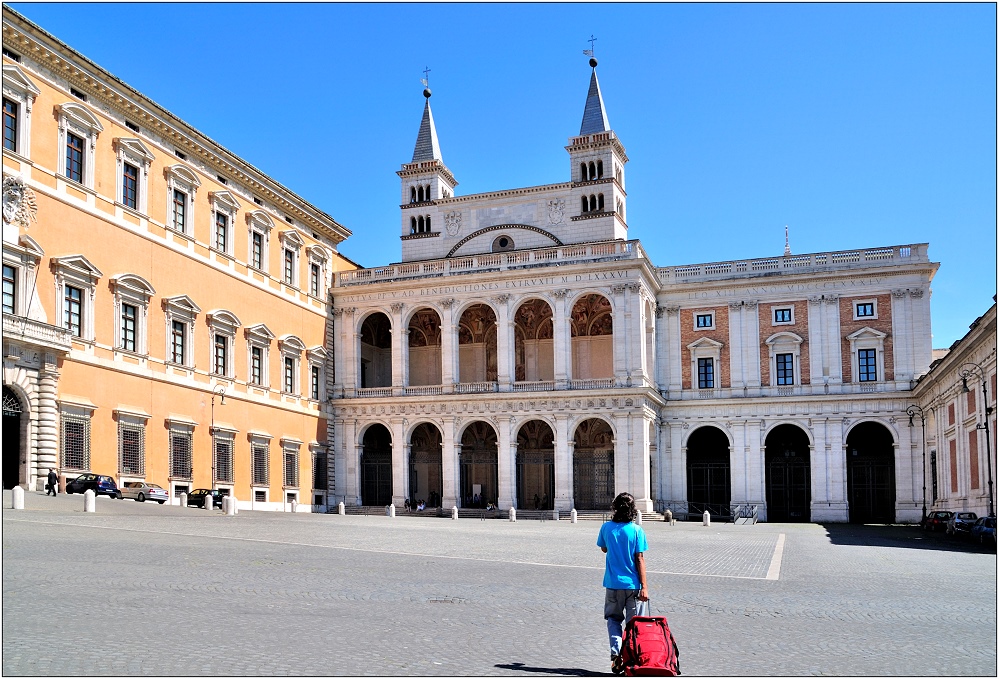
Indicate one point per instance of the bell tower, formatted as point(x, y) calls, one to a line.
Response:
point(597, 161)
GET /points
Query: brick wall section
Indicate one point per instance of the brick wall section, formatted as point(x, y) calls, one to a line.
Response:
point(953, 466)
point(971, 399)
point(802, 373)
point(973, 457)
point(882, 323)
point(723, 373)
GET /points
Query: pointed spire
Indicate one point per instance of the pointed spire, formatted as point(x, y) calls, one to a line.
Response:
point(427, 147)
point(594, 115)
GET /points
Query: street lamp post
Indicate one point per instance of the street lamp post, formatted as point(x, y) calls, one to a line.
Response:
point(975, 370)
point(912, 411)
point(220, 392)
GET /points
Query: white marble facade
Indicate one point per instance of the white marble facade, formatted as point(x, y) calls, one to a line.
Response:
point(563, 360)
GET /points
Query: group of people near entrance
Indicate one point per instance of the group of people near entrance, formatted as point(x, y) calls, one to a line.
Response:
point(418, 506)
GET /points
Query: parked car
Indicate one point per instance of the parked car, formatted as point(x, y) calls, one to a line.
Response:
point(140, 491)
point(984, 531)
point(100, 484)
point(960, 523)
point(196, 498)
point(937, 520)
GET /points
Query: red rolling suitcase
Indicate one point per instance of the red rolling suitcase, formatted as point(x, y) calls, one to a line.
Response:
point(648, 647)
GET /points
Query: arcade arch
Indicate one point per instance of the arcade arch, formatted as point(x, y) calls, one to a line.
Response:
point(15, 414)
point(424, 348)
point(534, 347)
point(376, 351)
point(593, 465)
point(870, 473)
point(535, 465)
point(709, 470)
point(477, 344)
point(425, 469)
point(477, 464)
point(788, 474)
point(592, 338)
point(376, 466)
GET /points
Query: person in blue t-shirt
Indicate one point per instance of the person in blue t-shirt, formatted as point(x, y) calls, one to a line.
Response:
point(624, 575)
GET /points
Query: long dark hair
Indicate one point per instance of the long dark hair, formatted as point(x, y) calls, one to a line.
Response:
point(624, 509)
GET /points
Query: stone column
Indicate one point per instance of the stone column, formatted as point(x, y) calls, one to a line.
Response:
point(570, 470)
point(639, 461)
point(450, 450)
point(902, 336)
point(905, 478)
point(504, 343)
point(737, 347)
point(833, 347)
point(835, 506)
point(400, 351)
point(751, 328)
point(336, 349)
point(506, 463)
point(817, 361)
point(678, 463)
point(754, 452)
point(449, 347)
point(400, 458)
point(563, 465)
point(739, 457)
point(43, 427)
point(622, 332)
point(674, 352)
point(661, 368)
point(350, 345)
point(634, 354)
point(562, 339)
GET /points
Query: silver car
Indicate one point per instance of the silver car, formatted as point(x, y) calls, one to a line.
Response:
point(140, 491)
point(961, 522)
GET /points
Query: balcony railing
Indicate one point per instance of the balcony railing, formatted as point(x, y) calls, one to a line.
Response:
point(31, 331)
point(453, 266)
point(533, 386)
point(475, 387)
point(425, 391)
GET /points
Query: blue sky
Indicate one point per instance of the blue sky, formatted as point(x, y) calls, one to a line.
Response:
point(857, 125)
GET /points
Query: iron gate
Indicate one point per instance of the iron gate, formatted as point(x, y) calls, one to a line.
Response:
point(537, 466)
point(789, 492)
point(376, 478)
point(871, 490)
point(593, 479)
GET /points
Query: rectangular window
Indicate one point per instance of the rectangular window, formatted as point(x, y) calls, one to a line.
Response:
point(130, 186)
point(785, 369)
point(181, 445)
point(75, 442)
point(291, 468)
point(867, 365)
point(128, 316)
point(705, 320)
point(74, 157)
point(221, 231)
point(258, 250)
point(256, 365)
point(782, 315)
point(933, 475)
point(10, 125)
point(9, 289)
point(315, 383)
point(314, 278)
point(72, 307)
point(705, 373)
point(131, 448)
point(178, 337)
point(865, 310)
point(221, 354)
point(289, 266)
point(180, 211)
point(223, 457)
point(319, 477)
point(289, 375)
point(259, 462)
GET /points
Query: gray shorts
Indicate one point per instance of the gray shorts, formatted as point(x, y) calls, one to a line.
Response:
point(620, 604)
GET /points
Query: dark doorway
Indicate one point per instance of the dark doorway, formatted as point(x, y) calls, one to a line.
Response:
point(789, 475)
point(477, 465)
point(12, 413)
point(870, 474)
point(709, 486)
point(593, 465)
point(376, 467)
point(535, 466)
point(425, 475)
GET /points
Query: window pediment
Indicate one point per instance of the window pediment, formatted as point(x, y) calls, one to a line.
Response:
point(15, 80)
point(259, 332)
point(291, 344)
point(137, 285)
point(290, 238)
point(866, 333)
point(80, 115)
point(134, 148)
point(183, 174)
point(181, 303)
point(225, 200)
point(316, 353)
point(317, 253)
point(79, 265)
point(784, 338)
point(31, 246)
point(261, 220)
point(223, 319)
point(705, 343)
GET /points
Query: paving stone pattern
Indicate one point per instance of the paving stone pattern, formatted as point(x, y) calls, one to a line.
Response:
point(143, 589)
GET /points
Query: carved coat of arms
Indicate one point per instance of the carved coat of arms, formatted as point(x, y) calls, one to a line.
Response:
point(556, 211)
point(452, 222)
point(19, 206)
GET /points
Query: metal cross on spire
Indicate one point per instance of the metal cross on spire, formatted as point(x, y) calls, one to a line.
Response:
point(589, 52)
point(426, 77)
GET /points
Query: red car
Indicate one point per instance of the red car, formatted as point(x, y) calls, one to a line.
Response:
point(937, 520)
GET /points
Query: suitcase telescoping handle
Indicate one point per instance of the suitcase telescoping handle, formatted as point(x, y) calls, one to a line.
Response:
point(644, 608)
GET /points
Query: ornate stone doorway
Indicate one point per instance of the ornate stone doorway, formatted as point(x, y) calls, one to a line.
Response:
point(376, 467)
point(709, 486)
point(870, 474)
point(12, 414)
point(789, 476)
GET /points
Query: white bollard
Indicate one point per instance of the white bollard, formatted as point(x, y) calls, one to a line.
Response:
point(294, 506)
point(707, 518)
point(340, 509)
point(454, 513)
point(572, 516)
point(17, 498)
point(391, 511)
point(183, 499)
point(89, 501)
point(639, 519)
point(230, 505)
point(209, 503)
point(554, 515)
point(513, 513)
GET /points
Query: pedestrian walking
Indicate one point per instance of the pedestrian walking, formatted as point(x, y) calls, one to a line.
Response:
point(624, 543)
point(52, 486)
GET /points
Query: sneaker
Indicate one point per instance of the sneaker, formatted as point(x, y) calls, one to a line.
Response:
point(617, 664)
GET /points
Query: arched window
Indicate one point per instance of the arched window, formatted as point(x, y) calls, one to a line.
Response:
point(582, 172)
point(600, 201)
point(593, 170)
point(419, 225)
point(427, 193)
point(600, 169)
point(419, 195)
point(428, 223)
point(586, 205)
point(412, 194)
point(593, 203)
point(619, 175)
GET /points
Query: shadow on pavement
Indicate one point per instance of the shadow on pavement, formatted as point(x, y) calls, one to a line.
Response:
point(563, 671)
point(900, 536)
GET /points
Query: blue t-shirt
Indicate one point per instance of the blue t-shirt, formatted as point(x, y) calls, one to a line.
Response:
point(623, 541)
